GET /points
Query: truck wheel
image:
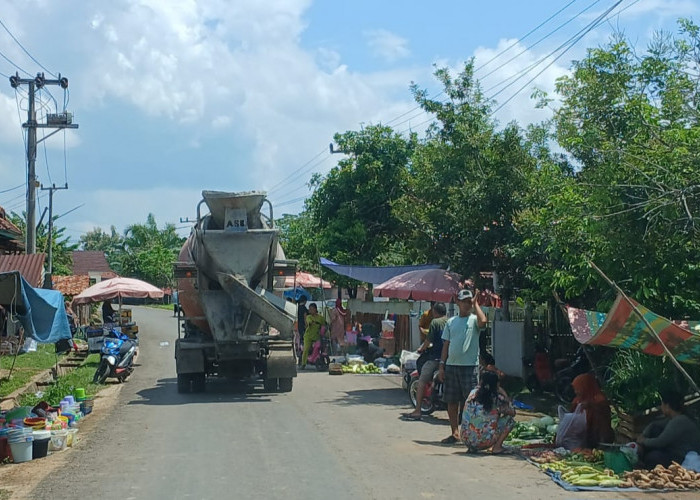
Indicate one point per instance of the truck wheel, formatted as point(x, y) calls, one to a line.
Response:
point(198, 382)
point(286, 384)
point(270, 385)
point(183, 382)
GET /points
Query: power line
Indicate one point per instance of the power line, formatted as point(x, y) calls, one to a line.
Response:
point(482, 66)
point(25, 50)
point(13, 64)
point(280, 183)
point(596, 22)
point(12, 189)
point(540, 40)
point(568, 44)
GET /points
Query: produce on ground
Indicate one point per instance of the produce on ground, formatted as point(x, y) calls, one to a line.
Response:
point(364, 369)
point(544, 428)
point(584, 473)
point(675, 477)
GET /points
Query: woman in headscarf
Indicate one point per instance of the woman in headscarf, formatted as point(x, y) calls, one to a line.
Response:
point(337, 316)
point(597, 406)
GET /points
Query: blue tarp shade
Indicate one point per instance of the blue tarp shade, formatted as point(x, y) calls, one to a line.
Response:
point(41, 312)
point(374, 275)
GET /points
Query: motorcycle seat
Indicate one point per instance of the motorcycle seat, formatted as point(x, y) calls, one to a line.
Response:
point(124, 348)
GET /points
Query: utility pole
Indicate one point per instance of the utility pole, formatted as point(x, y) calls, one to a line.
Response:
point(48, 278)
point(58, 121)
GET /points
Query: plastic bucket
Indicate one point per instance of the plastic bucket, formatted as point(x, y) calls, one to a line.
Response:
point(80, 393)
point(4, 448)
point(21, 451)
point(71, 437)
point(40, 445)
point(86, 406)
point(59, 440)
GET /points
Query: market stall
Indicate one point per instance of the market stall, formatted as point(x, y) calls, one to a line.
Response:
point(108, 290)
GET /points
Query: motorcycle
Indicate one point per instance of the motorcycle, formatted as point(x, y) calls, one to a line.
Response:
point(433, 396)
point(117, 358)
point(319, 353)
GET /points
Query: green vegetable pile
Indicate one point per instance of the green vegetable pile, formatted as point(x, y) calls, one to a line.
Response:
point(540, 428)
point(584, 473)
point(363, 369)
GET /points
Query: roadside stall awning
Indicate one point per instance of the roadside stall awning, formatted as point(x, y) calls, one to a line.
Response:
point(369, 274)
point(118, 288)
point(622, 328)
point(306, 280)
point(41, 312)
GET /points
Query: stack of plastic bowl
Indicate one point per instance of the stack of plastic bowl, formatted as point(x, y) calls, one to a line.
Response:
point(36, 423)
point(20, 440)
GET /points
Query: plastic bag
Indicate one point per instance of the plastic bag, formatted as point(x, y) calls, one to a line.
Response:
point(571, 432)
point(692, 461)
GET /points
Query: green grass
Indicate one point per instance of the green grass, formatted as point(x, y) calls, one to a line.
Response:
point(26, 367)
point(169, 307)
point(79, 377)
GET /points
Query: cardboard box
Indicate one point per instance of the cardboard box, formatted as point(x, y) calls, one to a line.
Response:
point(389, 346)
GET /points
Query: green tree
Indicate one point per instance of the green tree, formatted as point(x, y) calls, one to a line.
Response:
point(297, 239)
point(630, 124)
point(466, 182)
point(109, 243)
point(351, 214)
point(148, 253)
point(61, 245)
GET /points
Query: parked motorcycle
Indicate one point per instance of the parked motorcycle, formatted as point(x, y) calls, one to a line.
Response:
point(433, 396)
point(565, 376)
point(117, 358)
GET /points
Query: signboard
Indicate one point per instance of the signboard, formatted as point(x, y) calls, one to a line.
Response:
point(236, 220)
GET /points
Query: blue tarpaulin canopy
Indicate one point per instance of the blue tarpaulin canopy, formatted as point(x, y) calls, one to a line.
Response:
point(370, 274)
point(41, 312)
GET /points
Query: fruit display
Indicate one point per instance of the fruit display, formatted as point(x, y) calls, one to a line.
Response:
point(675, 477)
point(362, 369)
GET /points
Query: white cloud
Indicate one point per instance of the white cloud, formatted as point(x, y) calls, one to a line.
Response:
point(387, 45)
point(505, 82)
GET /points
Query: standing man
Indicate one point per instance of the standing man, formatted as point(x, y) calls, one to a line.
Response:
point(459, 363)
point(433, 349)
point(424, 321)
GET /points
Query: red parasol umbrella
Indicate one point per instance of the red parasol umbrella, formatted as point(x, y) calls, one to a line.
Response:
point(307, 280)
point(424, 284)
point(118, 288)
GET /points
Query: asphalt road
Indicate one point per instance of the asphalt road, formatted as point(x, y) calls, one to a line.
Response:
point(331, 438)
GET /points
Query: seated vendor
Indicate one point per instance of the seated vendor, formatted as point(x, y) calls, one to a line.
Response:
point(671, 439)
point(108, 314)
point(598, 415)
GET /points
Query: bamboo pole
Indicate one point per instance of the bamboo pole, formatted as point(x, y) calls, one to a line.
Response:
point(648, 325)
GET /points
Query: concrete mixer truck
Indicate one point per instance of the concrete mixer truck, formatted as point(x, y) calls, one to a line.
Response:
point(230, 324)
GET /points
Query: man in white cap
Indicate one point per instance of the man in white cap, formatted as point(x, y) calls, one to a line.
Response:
point(459, 363)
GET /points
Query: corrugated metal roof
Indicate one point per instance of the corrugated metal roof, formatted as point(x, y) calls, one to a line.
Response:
point(31, 267)
point(86, 262)
point(71, 285)
point(6, 226)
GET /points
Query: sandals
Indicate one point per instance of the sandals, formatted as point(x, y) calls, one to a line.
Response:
point(449, 440)
point(411, 418)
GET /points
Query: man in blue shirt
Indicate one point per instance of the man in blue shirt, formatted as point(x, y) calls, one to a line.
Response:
point(459, 363)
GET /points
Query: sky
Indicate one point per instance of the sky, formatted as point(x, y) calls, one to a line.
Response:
point(173, 98)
